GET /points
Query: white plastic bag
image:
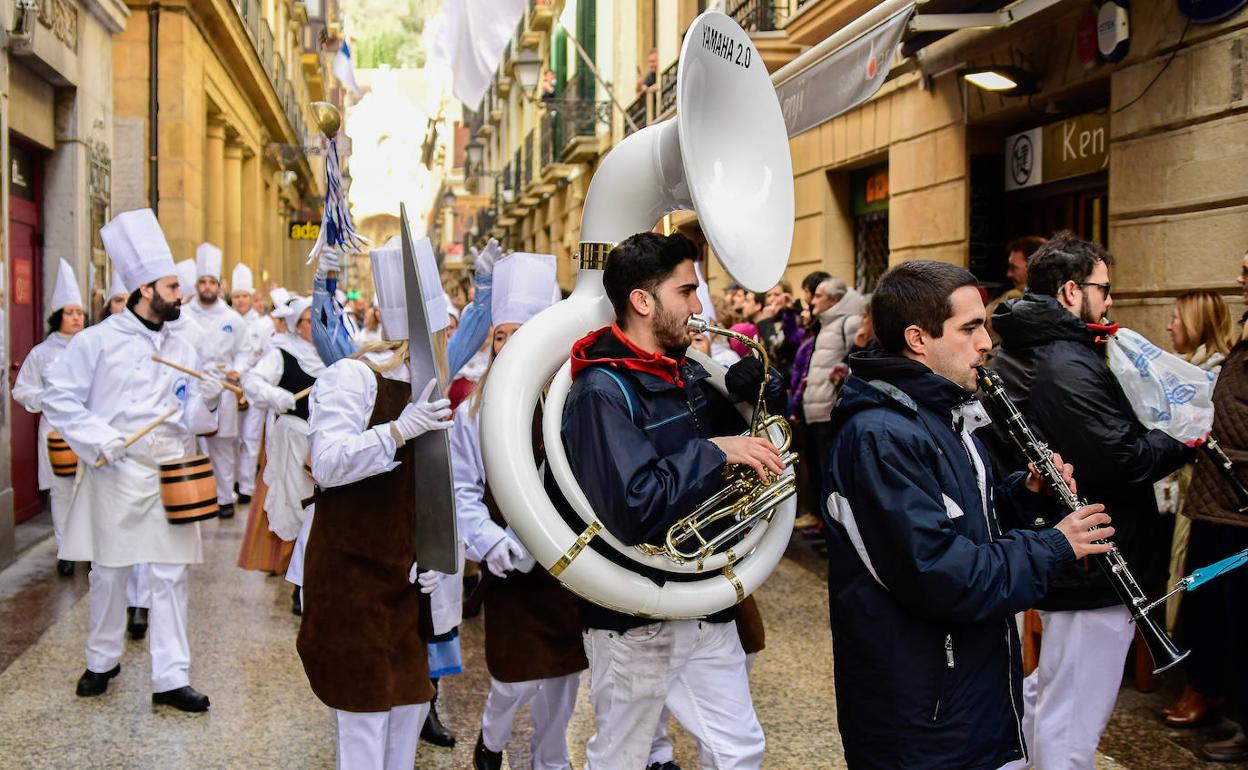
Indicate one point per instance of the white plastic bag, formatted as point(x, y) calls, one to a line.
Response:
point(1166, 392)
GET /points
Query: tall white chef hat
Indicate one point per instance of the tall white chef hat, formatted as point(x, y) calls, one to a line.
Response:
point(279, 297)
point(117, 287)
point(186, 278)
point(137, 246)
point(66, 291)
point(208, 261)
point(524, 285)
point(391, 295)
point(240, 279)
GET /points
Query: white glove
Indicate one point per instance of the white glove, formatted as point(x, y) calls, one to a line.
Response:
point(429, 580)
point(329, 262)
point(113, 450)
point(502, 557)
point(210, 391)
point(483, 263)
point(525, 563)
point(422, 416)
point(284, 402)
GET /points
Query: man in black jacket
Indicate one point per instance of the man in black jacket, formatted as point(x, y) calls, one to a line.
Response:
point(648, 439)
point(923, 581)
point(1052, 359)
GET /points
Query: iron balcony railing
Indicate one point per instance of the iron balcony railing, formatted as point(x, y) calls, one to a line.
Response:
point(667, 89)
point(528, 159)
point(759, 15)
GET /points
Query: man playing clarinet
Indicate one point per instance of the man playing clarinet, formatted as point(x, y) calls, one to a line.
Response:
point(923, 577)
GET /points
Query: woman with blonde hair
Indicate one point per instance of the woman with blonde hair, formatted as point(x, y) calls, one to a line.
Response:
point(1203, 333)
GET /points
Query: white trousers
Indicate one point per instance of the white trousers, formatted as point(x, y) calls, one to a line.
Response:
point(223, 453)
point(1070, 696)
point(552, 703)
point(697, 668)
point(294, 572)
point(661, 747)
point(60, 493)
point(139, 587)
point(250, 426)
point(379, 740)
point(106, 607)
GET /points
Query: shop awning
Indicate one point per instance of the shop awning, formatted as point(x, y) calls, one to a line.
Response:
point(849, 66)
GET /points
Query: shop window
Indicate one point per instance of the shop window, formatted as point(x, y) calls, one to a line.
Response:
point(869, 206)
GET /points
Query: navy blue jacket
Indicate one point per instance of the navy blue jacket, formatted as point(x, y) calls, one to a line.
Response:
point(923, 584)
point(634, 428)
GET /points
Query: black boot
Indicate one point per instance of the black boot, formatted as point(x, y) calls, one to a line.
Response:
point(136, 626)
point(185, 698)
point(64, 568)
point(663, 766)
point(244, 499)
point(296, 601)
point(226, 511)
point(433, 730)
point(92, 683)
point(483, 758)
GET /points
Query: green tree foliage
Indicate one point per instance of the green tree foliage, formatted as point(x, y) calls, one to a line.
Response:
point(388, 31)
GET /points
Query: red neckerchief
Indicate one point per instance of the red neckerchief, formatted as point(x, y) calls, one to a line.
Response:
point(661, 366)
point(1104, 332)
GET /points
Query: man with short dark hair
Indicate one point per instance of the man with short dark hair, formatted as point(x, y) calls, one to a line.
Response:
point(1052, 361)
point(923, 579)
point(648, 439)
point(1020, 251)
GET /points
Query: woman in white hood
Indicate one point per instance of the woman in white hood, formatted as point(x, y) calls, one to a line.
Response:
point(67, 319)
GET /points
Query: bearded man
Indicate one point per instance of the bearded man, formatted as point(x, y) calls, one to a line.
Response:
point(1052, 359)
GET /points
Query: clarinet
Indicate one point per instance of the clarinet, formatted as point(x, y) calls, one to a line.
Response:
point(1214, 452)
point(1164, 651)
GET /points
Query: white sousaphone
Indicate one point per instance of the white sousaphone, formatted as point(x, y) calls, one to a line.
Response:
point(725, 156)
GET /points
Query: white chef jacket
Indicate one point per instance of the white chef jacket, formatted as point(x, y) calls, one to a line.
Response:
point(105, 387)
point(345, 450)
point(260, 329)
point(28, 391)
point(286, 441)
point(222, 336)
point(478, 532)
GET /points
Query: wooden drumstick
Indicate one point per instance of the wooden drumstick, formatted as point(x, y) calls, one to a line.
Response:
point(142, 432)
point(304, 393)
point(227, 385)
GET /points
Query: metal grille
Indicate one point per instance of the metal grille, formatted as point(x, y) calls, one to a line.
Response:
point(870, 249)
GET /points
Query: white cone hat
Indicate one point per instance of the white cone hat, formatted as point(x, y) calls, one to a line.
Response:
point(66, 291)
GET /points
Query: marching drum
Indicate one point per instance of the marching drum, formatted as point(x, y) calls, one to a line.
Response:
point(188, 489)
point(64, 461)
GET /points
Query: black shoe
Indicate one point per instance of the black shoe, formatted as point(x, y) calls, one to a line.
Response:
point(92, 683)
point(434, 731)
point(244, 499)
point(64, 568)
point(183, 699)
point(663, 766)
point(296, 601)
point(226, 511)
point(136, 627)
point(483, 758)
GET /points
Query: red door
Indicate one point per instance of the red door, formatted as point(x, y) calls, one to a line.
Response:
point(25, 321)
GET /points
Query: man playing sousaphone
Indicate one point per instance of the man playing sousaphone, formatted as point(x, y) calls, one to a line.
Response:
point(648, 439)
point(104, 390)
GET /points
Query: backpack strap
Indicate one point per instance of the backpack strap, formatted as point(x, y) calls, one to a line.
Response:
point(624, 389)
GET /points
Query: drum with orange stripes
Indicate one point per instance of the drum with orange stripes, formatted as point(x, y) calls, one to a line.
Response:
point(188, 489)
point(64, 461)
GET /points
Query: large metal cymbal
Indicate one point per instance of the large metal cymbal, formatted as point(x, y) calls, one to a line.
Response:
point(327, 118)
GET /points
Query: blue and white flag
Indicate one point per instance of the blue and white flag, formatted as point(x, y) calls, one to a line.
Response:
point(344, 69)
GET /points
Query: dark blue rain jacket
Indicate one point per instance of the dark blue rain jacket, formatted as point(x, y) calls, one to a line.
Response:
point(635, 429)
point(923, 583)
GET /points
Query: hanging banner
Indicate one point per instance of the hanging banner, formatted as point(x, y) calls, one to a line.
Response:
point(843, 79)
point(1068, 148)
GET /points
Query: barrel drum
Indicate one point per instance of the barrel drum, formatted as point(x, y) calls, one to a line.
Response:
point(188, 489)
point(64, 461)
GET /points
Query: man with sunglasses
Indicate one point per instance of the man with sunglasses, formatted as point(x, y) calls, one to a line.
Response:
point(1052, 359)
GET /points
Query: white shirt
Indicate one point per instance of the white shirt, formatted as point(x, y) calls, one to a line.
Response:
point(478, 532)
point(260, 383)
point(222, 334)
point(28, 391)
point(344, 449)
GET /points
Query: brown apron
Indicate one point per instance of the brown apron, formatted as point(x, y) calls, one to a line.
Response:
point(750, 626)
point(362, 640)
point(532, 626)
point(262, 550)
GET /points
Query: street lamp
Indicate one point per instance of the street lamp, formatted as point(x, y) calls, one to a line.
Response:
point(528, 71)
point(474, 153)
point(1006, 80)
point(448, 199)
